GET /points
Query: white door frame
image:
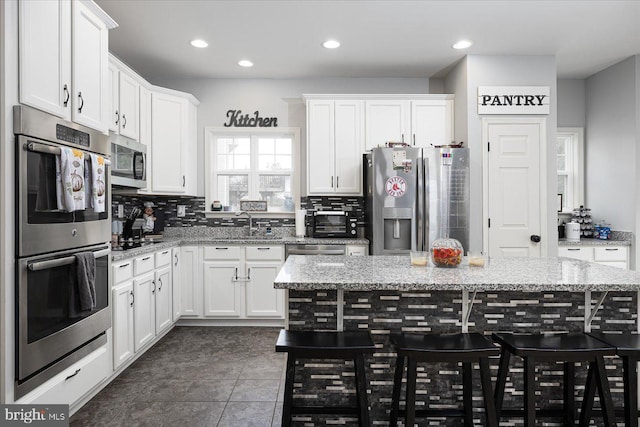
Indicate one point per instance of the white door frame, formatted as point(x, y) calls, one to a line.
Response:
point(542, 122)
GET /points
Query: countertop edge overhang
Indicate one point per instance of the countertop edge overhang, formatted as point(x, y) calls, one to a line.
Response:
point(172, 242)
point(395, 273)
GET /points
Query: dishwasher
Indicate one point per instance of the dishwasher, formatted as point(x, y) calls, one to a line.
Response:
point(314, 249)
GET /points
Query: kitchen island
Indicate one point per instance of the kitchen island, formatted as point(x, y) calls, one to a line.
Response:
point(385, 294)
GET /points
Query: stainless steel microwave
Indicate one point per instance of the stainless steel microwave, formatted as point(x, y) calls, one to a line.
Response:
point(334, 224)
point(128, 162)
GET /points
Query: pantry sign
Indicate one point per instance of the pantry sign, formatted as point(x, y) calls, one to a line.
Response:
point(513, 99)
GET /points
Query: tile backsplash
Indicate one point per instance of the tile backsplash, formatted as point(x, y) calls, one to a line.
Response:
point(195, 206)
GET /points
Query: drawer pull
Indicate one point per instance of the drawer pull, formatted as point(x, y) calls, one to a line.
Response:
point(73, 375)
point(165, 252)
point(611, 249)
point(576, 249)
point(124, 265)
point(146, 258)
point(264, 249)
point(221, 249)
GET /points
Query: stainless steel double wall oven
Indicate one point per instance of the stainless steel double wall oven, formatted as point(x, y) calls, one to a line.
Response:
point(51, 333)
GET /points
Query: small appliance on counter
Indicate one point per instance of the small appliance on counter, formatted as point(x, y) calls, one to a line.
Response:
point(334, 224)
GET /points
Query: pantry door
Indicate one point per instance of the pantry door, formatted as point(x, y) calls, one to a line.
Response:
point(514, 186)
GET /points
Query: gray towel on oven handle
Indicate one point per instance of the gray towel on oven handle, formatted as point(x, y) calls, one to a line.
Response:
point(86, 280)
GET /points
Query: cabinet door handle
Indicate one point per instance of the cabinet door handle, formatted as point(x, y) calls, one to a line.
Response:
point(165, 252)
point(236, 277)
point(611, 249)
point(133, 298)
point(221, 249)
point(117, 117)
point(81, 102)
point(249, 273)
point(160, 287)
point(123, 265)
point(124, 121)
point(402, 138)
point(153, 291)
point(146, 258)
point(66, 92)
point(337, 181)
point(573, 249)
point(331, 182)
point(184, 181)
point(414, 139)
point(264, 249)
point(176, 257)
point(74, 374)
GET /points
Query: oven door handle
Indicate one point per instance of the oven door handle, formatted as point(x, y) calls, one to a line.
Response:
point(52, 263)
point(48, 149)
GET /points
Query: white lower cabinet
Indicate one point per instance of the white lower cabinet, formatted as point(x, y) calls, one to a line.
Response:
point(177, 285)
point(238, 281)
point(163, 298)
point(190, 282)
point(614, 256)
point(73, 383)
point(142, 296)
point(123, 340)
point(144, 312)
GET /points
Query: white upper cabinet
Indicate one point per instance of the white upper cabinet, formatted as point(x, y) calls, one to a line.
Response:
point(173, 146)
point(63, 60)
point(45, 56)
point(431, 122)
point(125, 107)
point(388, 120)
point(417, 120)
point(334, 146)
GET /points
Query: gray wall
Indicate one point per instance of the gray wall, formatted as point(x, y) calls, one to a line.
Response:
point(275, 98)
point(456, 83)
point(610, 153)
point(464, 79)
point(571, 103)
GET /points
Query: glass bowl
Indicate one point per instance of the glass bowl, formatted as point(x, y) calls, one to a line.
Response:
point(446, 252)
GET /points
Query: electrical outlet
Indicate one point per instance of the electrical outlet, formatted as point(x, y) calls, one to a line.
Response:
point(182, 210)
point(120, 211)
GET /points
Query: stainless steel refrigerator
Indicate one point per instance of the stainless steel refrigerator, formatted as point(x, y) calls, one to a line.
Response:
point(414, 196)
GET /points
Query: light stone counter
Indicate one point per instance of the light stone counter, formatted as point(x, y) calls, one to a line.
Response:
point(171, 242)
point(499, 274)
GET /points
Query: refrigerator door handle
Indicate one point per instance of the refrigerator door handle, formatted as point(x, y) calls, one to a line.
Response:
point(419, 215)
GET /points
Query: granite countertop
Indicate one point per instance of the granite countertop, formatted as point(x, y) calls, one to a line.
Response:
point(396, 273)
point(618, 238)
point(171, 242)
point(595, 242)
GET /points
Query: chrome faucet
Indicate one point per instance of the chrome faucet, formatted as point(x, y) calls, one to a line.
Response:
point(251, 229)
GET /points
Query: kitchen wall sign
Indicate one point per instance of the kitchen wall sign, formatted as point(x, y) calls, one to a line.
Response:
point(513, 99)
point(239, 120)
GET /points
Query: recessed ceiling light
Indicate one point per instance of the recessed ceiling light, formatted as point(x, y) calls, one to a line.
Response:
point(245, 63)
point(199, 43)
point(462, 44)
point(331, 44)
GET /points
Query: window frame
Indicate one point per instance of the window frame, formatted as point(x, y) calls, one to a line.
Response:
point(253, 173)
point(575, 166)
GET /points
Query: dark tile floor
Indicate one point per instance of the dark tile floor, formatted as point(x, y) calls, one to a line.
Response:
point(196, 376)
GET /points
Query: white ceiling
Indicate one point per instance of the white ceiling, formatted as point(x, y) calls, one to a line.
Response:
point(379, 38)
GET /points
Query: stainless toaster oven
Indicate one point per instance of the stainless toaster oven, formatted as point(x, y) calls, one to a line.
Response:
point(334, 224)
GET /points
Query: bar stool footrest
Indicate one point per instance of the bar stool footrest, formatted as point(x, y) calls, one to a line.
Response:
point(542, 412)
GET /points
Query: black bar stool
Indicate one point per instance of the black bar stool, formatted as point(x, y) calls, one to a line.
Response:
point(325, 345)
point(567, 348)
point(628, 348)
point(459, 347)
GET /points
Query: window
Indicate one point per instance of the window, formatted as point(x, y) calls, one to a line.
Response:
point(569, 165)
point(257, 164)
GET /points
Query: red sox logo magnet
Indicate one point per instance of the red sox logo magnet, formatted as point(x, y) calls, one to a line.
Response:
point(396, 186)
